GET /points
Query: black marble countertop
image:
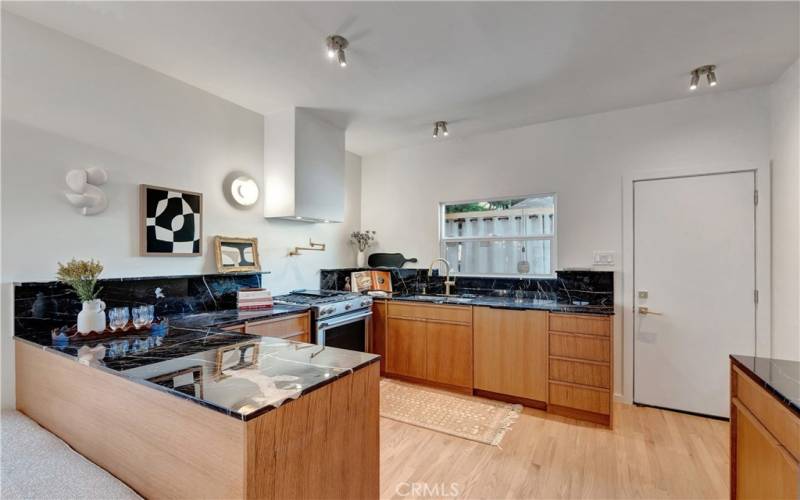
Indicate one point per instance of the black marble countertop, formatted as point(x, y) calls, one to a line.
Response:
point(780, 377)
point(237, 374)
point(508, 303)
point(230, 317)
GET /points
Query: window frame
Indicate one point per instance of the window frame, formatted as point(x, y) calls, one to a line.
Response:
point(553, 238)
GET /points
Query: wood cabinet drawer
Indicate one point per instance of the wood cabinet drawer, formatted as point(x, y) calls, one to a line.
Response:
point(580, 323)
point(577, 372)
point(581, 398)
point(775, 417)
point(284, 327)
point(591, 347)
point(235, 328)
point(431, 312)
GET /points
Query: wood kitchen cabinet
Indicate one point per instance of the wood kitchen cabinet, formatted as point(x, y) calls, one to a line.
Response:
point(449, 354)
point(580, 381)
point(378, 324)
point(294, 327)
point(430, 343)
point(406, 347)
point(765, 443)
point(511, 354)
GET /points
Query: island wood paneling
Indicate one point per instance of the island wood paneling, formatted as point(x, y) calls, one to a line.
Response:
point(160, 445)
point(322, 445)
point(511, 352)
point(764, 443)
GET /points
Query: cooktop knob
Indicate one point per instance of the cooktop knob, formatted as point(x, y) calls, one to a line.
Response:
point(347, 307)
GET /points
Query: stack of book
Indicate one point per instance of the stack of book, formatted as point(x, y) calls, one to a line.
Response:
point(251, 299)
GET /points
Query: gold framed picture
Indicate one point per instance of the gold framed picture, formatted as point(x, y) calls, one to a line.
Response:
point(236, 254)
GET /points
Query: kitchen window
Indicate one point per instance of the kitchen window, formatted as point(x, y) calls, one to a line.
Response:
point(500, 237)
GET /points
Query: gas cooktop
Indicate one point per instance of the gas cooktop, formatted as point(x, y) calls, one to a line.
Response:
point(326, 303)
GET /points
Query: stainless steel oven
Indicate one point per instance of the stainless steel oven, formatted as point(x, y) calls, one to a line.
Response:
point(339, 319)
point(346, 331)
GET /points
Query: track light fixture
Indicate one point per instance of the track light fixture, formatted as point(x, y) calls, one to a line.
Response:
point(440, 126)
point(335, 46)
point(707, 70)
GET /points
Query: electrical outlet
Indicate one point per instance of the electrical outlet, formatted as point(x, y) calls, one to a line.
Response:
point(603, 258)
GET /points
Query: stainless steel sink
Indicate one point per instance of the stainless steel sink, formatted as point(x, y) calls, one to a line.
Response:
point(439, 299)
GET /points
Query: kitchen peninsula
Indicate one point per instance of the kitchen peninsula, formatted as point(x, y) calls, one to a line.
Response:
point(210, 413)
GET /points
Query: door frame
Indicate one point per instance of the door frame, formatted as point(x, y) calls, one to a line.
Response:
point(763, 228)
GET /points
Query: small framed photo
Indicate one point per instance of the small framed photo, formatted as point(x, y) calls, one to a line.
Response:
point(171, 222)
point(236, 254)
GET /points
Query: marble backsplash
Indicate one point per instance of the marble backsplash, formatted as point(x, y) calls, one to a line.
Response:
point(572, 287)
point(42, 306)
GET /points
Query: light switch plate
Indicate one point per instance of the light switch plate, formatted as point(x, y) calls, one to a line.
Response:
point(603, 258)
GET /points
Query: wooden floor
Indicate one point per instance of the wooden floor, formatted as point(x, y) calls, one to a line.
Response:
point(650, 454)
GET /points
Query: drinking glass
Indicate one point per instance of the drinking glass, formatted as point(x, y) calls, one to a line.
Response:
point(118, 318)
point(139, 316)
point(151, 314)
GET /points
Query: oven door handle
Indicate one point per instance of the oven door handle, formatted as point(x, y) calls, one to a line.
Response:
point(325, 324)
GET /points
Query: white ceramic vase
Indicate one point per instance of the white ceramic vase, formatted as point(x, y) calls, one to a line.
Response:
point(361, 259)
point(92, 317)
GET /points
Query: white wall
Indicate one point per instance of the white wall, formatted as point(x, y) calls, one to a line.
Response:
point(67, 104)
point(582, 160)
point(785, 137)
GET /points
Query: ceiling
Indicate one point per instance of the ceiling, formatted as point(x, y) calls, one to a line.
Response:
point(482, 66)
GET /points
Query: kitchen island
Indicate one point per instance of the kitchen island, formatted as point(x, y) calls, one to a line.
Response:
point(208, 413)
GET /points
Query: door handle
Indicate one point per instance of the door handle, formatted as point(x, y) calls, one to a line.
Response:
point(644, 311)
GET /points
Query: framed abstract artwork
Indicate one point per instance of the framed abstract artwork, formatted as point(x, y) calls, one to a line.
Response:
point(171, 222)
point(236, 254)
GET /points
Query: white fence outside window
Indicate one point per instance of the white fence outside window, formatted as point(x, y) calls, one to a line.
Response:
point(508, 237)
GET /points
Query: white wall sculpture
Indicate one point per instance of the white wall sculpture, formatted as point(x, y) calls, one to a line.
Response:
point(84, 191)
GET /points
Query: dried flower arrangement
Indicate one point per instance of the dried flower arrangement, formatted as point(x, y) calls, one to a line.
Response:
point(82, 276)
point(364, 239)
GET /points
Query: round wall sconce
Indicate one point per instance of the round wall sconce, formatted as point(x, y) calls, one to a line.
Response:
point(241, 190)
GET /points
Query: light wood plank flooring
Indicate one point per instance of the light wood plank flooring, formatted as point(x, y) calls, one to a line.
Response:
point(650, 454)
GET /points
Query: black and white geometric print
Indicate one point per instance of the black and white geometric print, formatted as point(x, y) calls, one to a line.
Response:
point(173, 222)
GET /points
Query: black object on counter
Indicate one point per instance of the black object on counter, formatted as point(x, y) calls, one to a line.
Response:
point(388, 260)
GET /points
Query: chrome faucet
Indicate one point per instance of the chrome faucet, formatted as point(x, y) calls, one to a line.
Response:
point(447, 281)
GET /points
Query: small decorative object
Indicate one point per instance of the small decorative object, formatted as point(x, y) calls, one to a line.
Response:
point(236, 254)
point(241, 190)
point(252, 299)
point(319, 247)
point(362, 240)
point(171, 221)
point(84, 192)
point(361, 281)
point(81, 276)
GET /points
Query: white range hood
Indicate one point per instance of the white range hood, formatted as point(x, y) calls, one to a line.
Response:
point(304, 160)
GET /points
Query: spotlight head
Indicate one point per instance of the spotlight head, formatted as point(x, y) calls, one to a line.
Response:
point(712, 77)
point(695, 80)
point(436, 130)
point(335, 46)
point(444, 128)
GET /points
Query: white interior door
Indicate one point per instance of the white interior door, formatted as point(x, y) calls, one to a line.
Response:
point(694, 270)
